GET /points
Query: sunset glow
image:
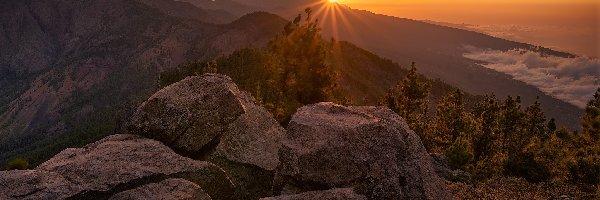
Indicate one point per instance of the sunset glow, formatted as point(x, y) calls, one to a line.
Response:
point(569, 25)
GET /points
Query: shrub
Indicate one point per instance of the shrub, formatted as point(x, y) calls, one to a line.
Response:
point(585, 171)
point(17, 164)
point(458, 155)
point(527, 167)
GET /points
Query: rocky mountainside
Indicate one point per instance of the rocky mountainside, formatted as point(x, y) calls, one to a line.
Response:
point(70, 72)
point(438, 50)
point(93, 77)
point(208, 140)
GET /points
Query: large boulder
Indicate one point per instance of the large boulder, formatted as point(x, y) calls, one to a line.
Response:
point(370, 149)
point(173, 189)
point(333, 194)
point(207, 117)
point(109, 166)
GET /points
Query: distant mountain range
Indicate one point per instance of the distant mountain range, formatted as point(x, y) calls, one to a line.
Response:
point(438, 49)
point(72, 72)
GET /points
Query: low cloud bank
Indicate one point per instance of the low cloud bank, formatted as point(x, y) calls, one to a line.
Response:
point(573, 80)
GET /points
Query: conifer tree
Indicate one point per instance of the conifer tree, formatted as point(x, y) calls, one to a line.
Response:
point(534, 122)
point(585, 166)
point(551, 126)
point(591, 119)
point(409, 99)
point(488, 114)
point(451, 121)
point(510, 118)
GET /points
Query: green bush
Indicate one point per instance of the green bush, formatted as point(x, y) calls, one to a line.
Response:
point(17, 164)
point(527, 167)
point(585, 171)
point(458, 155)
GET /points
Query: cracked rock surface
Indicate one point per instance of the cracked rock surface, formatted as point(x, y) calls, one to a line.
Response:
point(109, 166)
point(370, 149)
point(207, 117)
point(167, 189)
point(333, 194)
point(203, 114)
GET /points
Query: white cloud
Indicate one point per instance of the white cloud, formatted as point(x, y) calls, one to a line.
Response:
point(573, 80)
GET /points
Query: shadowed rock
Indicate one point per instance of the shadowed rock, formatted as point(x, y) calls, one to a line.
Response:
point(207, 117)
point(370, 149)
point(33, 184)
point(333, 194)
point(168, 189)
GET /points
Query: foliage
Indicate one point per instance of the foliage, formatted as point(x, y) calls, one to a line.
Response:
point(497, 138)
point(459, 155)
point(17, 164)
point(451, 122)
point(584, 163)
point(293, 70)
point(585, 171)
point(591, 119)
point(527, 167)
point(409, 100)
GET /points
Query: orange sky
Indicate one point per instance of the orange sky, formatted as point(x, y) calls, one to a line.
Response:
point(537, 12)
point(577, 22)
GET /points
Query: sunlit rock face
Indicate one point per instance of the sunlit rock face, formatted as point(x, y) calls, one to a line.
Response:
point(207, 117)
point(370, 149)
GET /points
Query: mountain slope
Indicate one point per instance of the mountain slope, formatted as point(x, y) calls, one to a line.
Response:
point(438, 50)
point(73, 71)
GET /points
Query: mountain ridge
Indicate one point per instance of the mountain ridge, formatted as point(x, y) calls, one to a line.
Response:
point(438, 50)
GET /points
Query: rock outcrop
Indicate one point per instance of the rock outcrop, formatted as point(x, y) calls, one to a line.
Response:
point(167, 189)
point(370, 149)
point(333, 194)
point(205, 139)
point(207, 117)
point(33, 184)
point(112, 165)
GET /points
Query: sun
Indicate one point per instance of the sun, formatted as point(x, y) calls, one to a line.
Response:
point(332, 1)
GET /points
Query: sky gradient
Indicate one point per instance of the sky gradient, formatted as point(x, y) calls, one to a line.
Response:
point(568, 25)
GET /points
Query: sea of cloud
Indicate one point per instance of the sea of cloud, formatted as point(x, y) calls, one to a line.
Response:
point(573, 80)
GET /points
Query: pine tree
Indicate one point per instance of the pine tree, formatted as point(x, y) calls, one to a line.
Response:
point(534, 122)
point(591, 119)
point(585, 164)
point(526, 155)
point(306, 75)
point(451, 121)
point(488, 114)
point(552, 126)
point(510, 118)
point(409, 99)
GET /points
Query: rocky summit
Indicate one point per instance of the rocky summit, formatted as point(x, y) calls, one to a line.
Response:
point(203, 138)
point(370, 149)
point(207, 117)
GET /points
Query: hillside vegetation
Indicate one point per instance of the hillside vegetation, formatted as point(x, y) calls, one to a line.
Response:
point(484, 136)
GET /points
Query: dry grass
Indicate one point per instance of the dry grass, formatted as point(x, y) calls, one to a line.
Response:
point(516, 188)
